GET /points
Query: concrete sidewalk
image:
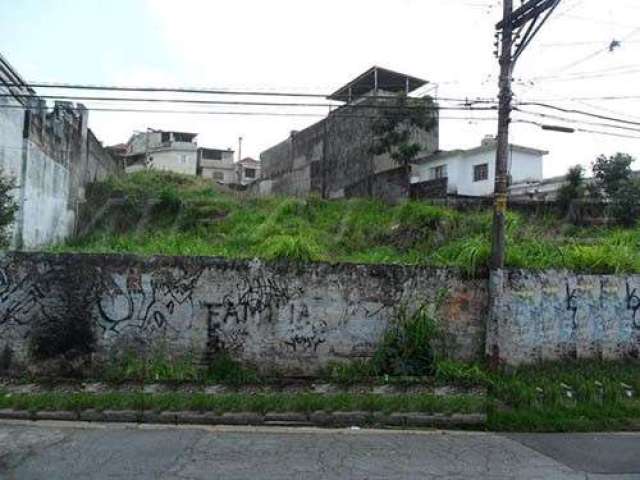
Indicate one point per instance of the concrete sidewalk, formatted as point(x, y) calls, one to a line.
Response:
point(48, 450)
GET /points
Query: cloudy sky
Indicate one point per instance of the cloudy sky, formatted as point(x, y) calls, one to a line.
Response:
point(314, 47)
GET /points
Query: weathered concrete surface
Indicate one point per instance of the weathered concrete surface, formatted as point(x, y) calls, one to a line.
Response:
point(97, 452)
point(52, 155)
point(335, 153)
point(277, 316)
point(560, 315)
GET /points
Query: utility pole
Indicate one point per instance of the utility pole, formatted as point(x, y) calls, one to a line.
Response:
point(517, 29)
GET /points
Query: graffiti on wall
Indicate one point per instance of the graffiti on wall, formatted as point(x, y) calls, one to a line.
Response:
point(255, 301)
point(127, 302)
point(24, 297)
point(633, 304)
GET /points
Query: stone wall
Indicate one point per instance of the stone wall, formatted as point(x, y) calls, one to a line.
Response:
point(277, 316)
point(552, 316)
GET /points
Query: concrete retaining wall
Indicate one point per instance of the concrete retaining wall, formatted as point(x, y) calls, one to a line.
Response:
point(552, 316)
point(298, 318)
point(277, 316)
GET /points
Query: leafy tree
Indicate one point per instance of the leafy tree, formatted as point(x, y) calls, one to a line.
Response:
point(8, 208)
point(394, 128)
point(625, 203)
point(612, 172)
point(574, 189)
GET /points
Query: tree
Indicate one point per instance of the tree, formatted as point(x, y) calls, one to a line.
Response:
point(625, 204)
point(610, 173)
point(8, 208)
point(574, 189)
point(394, 128)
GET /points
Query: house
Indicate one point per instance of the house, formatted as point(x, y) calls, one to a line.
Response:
point(248, 171)
point(334, 158)
point(472, 172)
point(216, 164)
point(162, 150)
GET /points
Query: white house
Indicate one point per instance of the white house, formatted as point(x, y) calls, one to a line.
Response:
point(472, 172)
point(161, 150)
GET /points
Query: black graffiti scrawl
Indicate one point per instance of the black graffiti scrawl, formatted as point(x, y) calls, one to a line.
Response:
point(572, 306)
point(132, 306)
point(633, 304)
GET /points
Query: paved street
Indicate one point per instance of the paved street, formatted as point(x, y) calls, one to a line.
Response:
point(63, 451)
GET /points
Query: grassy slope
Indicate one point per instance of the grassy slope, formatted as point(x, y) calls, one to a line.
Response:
point(192, 218)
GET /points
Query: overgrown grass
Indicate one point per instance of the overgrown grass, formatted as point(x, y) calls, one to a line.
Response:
point(567, 396)
point(259, 403)
point(160, 368)
point(188, 216)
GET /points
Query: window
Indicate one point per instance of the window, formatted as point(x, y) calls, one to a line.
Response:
point(481, 172)
point(439, 172)
point(211, 155)
point(183, 159)
point(250, 173)
point(218, 175)
point(165, 137)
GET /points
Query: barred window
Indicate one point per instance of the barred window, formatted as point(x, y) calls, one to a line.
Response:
point(481, 172)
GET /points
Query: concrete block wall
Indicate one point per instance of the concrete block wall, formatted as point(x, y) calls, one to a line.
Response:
point(277, 316)
point(335, 153)
point(551, 316)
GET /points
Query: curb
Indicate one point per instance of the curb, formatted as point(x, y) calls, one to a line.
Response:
point(316, 419)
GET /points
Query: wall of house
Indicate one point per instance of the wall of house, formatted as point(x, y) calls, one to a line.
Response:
point(333, 154)
point(523, 166)
point(222, 170)
point(295, 318)
point(176, 160)
point(544, 316)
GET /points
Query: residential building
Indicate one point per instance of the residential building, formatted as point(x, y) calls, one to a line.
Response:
point(472, 172)
point(216, 164)
point(248, 171)
point(163, 150)
point(334, 154)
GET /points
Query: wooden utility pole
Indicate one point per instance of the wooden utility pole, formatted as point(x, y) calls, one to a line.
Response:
point(517, 29)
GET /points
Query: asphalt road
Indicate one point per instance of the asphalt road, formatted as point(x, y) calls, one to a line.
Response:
point(67, 451)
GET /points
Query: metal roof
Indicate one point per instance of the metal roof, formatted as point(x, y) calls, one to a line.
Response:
point(377, 78)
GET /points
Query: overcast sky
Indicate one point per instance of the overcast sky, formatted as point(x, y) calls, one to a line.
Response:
point(317, 46)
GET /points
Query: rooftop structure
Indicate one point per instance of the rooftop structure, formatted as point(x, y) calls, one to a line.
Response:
point(373, 81)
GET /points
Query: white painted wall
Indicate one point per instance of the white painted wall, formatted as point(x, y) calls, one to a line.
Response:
point(11, 126)
point(524, 165)
point(48, 216)
point(178, 161)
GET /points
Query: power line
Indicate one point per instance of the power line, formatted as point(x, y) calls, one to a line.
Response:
point(578, 112)
point(241, 113)
point(200, 91)
point(582, 122)
point(581, 130)
point(223, 102)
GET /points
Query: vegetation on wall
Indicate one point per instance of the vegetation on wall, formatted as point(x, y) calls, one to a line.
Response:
point(394, 130)
point(8, 208)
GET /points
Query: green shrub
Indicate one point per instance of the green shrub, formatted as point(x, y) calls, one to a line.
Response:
point(409, 344)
